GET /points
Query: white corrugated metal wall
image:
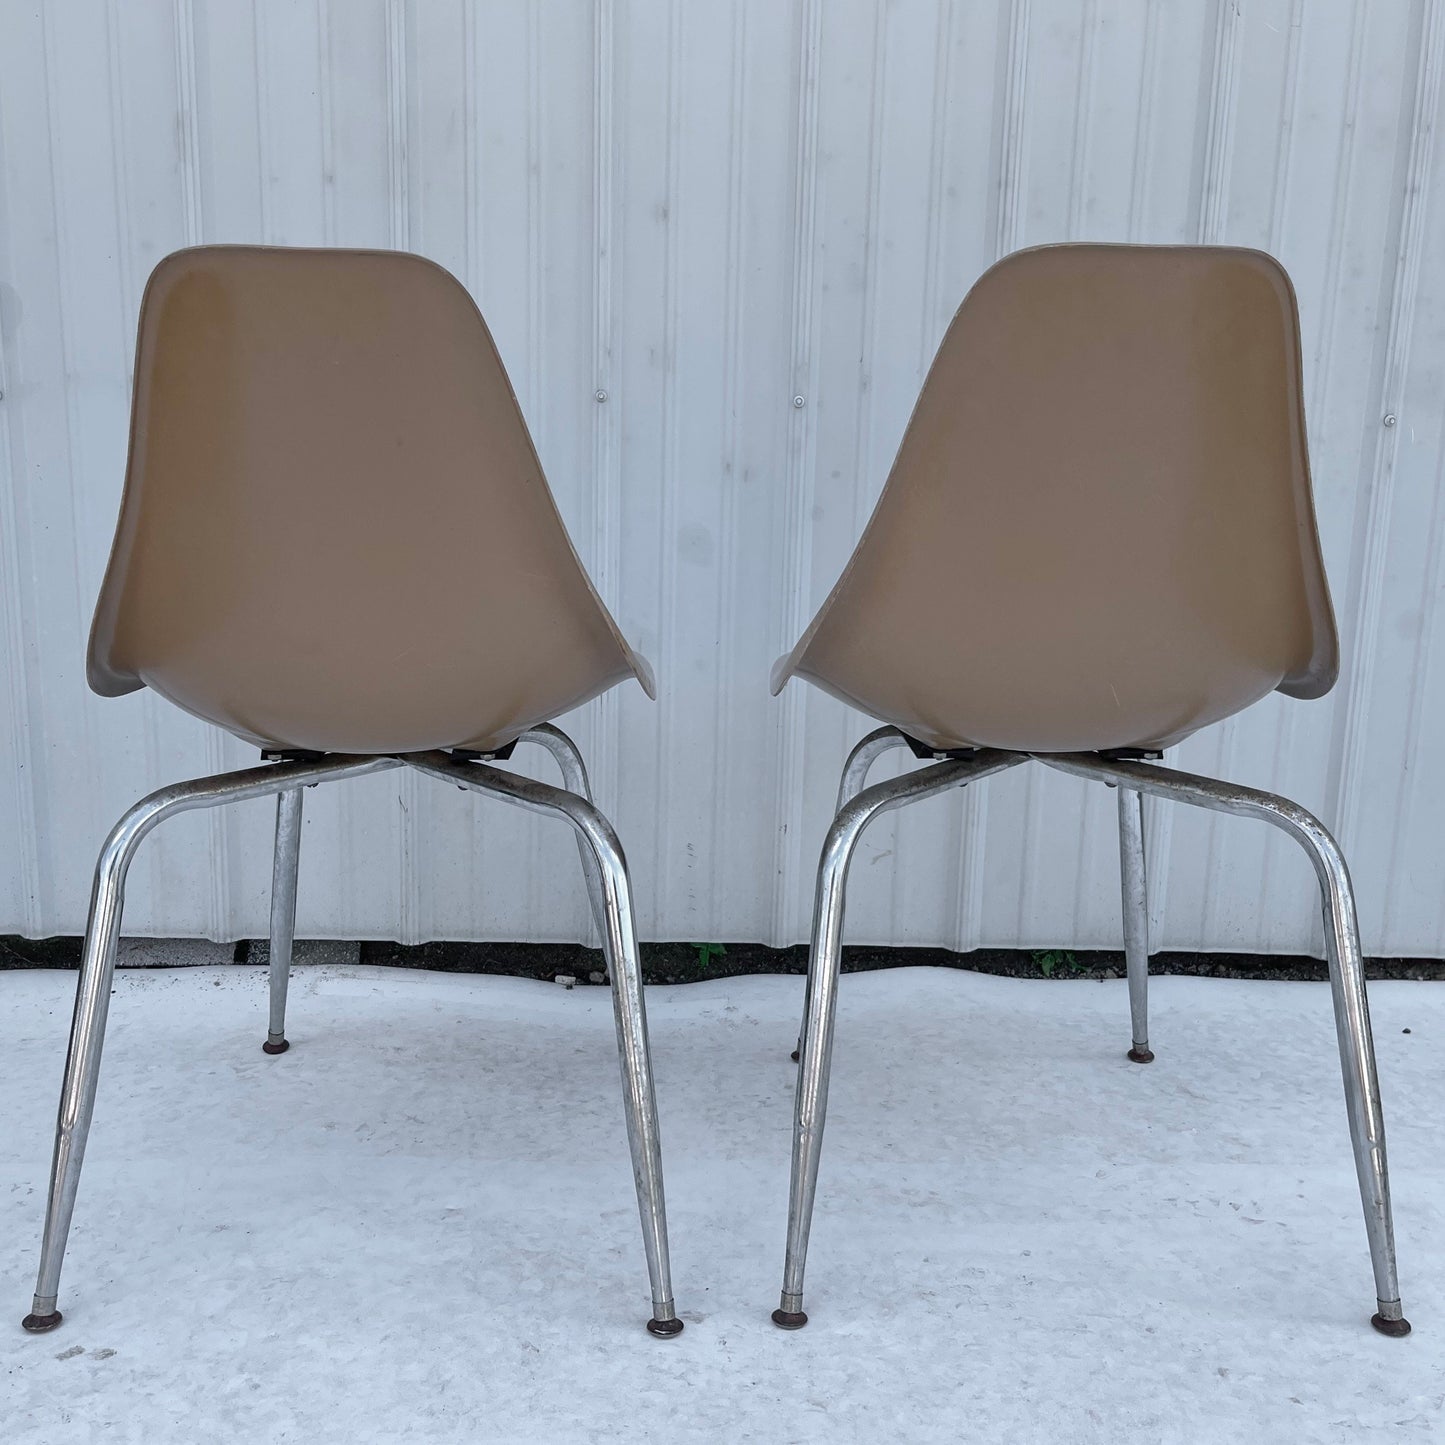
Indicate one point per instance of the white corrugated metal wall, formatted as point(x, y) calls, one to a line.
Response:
point(746, 224)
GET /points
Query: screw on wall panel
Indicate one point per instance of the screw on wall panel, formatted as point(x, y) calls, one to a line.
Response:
point(800, 401)
point(1389, 418)
point(601, 395)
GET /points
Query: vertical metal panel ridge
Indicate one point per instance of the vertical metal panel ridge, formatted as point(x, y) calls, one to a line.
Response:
point(119, 145)
point(193, 220)
point(937, 146)
point(1012, 155)
point(187, 117)
point(1144, 122)
point(184, 56)
point(536, 402)
point(732, 362)
point(1289, 105)
point(1083, 120)
point(1219, 131)
point(67, 319)
point(398, 171)
point(21, 697)
point(1213, 211)
point(798, 526)
point(1404, 285)
point(1288, 717)
point(263, 121)
point(1342, 193)
point(325, 105)
point(412, 832)
point(1012, 181)
point(1216, 149)
point(471, 151)
point(1323, 357)
point(968, 820)
point(664, 818)
point(605, 760)
point(865, 403)
point(1426, 655)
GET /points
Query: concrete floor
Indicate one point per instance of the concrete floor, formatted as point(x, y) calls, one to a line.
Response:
point(419, 1223)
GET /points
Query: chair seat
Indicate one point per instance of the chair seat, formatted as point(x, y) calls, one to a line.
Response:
point(1084, 701)
point(392, 697)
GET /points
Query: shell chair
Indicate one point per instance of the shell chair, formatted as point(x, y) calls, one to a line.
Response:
point(336, 542)
point(1097, 537)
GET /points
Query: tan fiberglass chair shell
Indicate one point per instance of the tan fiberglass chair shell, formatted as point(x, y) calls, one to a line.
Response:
point(1097, 537)
point(335, 533)
point(1098, 532)
point(336, 541)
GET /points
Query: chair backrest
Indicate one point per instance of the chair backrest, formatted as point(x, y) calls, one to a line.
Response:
point(1099, 530)
point(335, 531)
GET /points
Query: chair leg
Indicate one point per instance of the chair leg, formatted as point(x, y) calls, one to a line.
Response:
point(1347, 985)
point(855, 778)
point(638, 1092)
point(283, 912)
point(97, 967)
point(574, 779)
point(811, 1103)
point(619, 940)
point(82, 1070)
point(1361, 1078)
point(1136, 918)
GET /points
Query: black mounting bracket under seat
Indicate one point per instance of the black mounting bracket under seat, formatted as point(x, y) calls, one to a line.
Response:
point(929, 754)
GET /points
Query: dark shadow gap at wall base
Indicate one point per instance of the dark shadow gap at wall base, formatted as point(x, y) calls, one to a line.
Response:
point(694, 962)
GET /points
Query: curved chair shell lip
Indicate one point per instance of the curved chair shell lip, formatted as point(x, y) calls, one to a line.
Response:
point(108, 680)
point(1321, 672)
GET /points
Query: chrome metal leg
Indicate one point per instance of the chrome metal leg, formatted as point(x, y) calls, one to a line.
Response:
point(1136, 918)
point(574, 779)
point(1347, 984)
point(619, 936)
point(283, 912)
point(811, 1106)
point(92, 998)
point(862, 758)
point(854, 779)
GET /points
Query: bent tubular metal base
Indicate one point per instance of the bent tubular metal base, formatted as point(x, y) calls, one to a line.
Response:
point(858, 806)
point(819, 1011)
point(855, 776)
point(608, 886)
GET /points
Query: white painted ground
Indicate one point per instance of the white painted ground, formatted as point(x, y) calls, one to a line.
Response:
point(419, 1223)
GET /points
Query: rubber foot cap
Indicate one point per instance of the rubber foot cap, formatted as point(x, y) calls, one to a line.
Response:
point(1397, 1328)
point(794, 1056)
point(664, 1329)
point(269, 1048)
point(1142, 1056)
point(43, 1324)
point(788, 1320)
